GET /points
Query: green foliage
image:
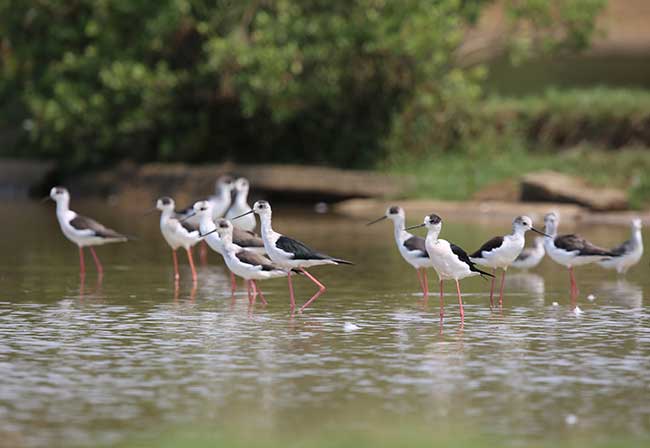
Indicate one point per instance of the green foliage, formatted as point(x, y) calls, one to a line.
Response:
point(318, 81)
point(607, 118)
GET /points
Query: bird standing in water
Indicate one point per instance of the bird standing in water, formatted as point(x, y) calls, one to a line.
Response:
point(570, 250)
point(411, 247)
point(177, 234)
point(449, 261)
point(82, 231)
point(289, 253)
point(249, 265)
point(501, 251)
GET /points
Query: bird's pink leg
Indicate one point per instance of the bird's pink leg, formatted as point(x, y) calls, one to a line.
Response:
point(503, 282)
point(426, 282)
point(176, 274)
point(460, 302)
point(233, 283)
point(259, 290)
point(291, 296)
point(320, 291)
point(574, 286)
point(98, 265)
point(442, 300)
point(191, 260)
point(203, 252)
point(494, 272)
point(420, 280)
point(82, 263)
point(248, 287)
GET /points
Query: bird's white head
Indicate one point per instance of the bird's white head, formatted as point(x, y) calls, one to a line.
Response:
point(522, 224)
point(59, 194)
point(165, 204)
point(433, 222)
point(636, 224)
point(224, 184)
point(202, 208)
point(224, 229)
point(262, 208)
point(242, 186)
point(551, 221)
point(395, 213)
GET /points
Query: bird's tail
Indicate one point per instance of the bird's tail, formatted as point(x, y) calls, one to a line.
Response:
point(483, 274)
point(340, 261)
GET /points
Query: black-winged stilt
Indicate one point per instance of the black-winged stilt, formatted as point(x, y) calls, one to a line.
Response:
point(289, 253)
point(628, 253)
point(570, 250)
point(500, 251)
point(411, 247)
point(449, 261)
point(240, 206)
point(82, 231)
point(246, 264)
point(177, 233)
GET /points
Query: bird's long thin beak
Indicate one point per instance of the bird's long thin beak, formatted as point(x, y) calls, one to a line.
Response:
point(150, 211)
point(243, 214)
point(45, 198)
point(376, 220)
point(540, 232)
point(188, 217)
point(206, 234)
point(415, 227)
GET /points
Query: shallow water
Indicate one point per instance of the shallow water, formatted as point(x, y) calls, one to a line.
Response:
point(97, 363)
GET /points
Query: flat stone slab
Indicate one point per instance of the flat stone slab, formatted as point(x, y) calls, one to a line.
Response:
point(132, 183)
point(550, 186)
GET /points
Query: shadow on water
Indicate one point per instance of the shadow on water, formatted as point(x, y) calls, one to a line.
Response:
point(95, 362)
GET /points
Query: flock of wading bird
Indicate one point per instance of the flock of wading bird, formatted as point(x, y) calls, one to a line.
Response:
point(226, 223)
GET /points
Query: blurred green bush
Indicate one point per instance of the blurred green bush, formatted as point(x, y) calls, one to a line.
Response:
point(338, 82)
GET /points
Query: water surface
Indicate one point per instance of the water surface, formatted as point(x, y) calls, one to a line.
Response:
point(88, 363)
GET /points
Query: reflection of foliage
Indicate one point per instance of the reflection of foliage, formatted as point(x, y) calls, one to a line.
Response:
point(325, 81)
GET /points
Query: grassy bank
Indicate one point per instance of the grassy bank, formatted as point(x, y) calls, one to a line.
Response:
point(460, 175)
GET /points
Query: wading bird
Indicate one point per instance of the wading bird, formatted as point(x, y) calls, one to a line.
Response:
point(449, 261)
point(627, 254)
point(501, 251)
point(177, 234)
point(207, 227)
point(82, 231)
point(246, 264)
point(289, 253)
point(411, 247)
point(570, 250)
point(240, 206)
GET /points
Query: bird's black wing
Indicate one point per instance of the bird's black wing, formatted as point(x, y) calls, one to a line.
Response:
point(83, 223)
point(302, 252)
point(488, 246)
point(246, 238)
point(462, 256)
point(622, 249)
point(416, 243)
point(254, 259)
point(572, 243)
